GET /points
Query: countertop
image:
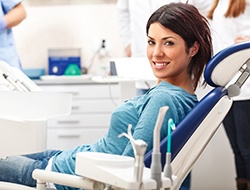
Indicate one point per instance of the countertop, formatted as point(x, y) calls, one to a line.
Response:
point(82, 79)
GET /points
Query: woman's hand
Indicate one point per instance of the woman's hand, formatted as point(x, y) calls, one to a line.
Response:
point(128, 51)
point(241, 39)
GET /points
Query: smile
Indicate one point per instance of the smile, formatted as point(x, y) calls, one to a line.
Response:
point(161, 64)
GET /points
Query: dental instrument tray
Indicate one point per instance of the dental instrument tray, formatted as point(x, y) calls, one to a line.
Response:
point(114, 170)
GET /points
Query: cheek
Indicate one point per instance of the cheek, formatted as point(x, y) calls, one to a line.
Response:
point(173, 54)
point(177, 54)
point(149, 52)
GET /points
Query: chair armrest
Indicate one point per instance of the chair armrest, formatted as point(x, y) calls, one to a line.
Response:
point(43, 176)
point(13, 186)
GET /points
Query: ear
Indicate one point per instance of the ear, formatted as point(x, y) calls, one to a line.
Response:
point(194, 49)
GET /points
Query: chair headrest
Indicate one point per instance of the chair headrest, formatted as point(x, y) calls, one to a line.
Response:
point(222, 68)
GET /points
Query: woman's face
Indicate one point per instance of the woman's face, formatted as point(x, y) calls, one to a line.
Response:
point(167, 54)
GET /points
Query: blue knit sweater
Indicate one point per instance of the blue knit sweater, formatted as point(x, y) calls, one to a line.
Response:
point(141, 112)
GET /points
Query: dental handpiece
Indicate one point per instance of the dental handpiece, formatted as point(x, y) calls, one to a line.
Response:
point(139, 147)
point(139, 160)
point(156, 167)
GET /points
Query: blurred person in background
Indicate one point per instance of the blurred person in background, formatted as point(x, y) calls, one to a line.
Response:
point(12, 12)
point(230, 21)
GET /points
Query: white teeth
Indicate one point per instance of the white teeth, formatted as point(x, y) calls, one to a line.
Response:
point(160, 64)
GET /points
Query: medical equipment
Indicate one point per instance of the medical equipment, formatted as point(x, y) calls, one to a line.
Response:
point(139, 148)
point(167, 170)
point(62, 60)
point(24, 112)
point(192, 134)
point(156, 165)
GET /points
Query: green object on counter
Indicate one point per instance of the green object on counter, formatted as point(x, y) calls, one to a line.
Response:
point(72, 69)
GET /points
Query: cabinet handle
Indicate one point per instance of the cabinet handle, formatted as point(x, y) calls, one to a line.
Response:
point(68, 122)
point(75, 108)
point(69, 136)
point(75, 93)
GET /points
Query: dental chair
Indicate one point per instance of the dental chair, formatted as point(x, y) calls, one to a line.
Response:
point(226, 72)
point(24, 113)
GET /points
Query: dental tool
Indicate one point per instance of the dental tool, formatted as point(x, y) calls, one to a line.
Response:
point(167, 168)
point(12, 82)
point(139, 147)
point(16, 79)
point(156, 167)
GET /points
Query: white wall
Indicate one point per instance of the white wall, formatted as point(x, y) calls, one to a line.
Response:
point(66, 25)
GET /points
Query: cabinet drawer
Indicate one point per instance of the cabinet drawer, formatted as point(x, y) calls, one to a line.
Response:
point(94, 106)
point(69, 138)
point(86, 120)
point(86, 91)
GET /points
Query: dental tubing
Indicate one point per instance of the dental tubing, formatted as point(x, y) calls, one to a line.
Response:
point(167, 168)
point(156, 167)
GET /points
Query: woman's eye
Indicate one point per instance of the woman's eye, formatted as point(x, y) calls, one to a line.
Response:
point(169, 43)
point(150, 42)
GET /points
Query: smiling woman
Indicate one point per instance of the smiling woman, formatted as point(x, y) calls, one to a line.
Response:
point(191, 38)
point(169, 58)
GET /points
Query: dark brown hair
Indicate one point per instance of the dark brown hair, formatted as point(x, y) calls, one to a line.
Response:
point(186, 21)
point(235, 8)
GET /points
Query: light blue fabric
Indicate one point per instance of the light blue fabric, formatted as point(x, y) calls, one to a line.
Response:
point(8, 50)
point(141, 112)
point(2, 23)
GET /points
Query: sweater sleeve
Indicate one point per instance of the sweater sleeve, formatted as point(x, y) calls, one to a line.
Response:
point(8, 5)
point(145, 127)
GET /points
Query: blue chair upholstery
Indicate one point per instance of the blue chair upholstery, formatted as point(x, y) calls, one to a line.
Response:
point(188, 125)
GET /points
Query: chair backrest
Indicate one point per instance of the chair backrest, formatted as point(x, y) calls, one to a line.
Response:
point(189, 124)
point(196, 129)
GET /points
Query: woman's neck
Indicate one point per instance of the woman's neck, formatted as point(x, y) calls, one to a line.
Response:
point(186, 85)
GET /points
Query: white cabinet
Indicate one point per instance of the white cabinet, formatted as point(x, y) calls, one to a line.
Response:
point(91, 110)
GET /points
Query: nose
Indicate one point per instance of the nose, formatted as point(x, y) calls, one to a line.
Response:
point(158, 51)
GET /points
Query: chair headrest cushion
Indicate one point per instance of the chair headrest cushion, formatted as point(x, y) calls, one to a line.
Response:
point(221, 69)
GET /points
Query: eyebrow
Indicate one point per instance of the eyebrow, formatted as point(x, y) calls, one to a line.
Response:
point(165, 38)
